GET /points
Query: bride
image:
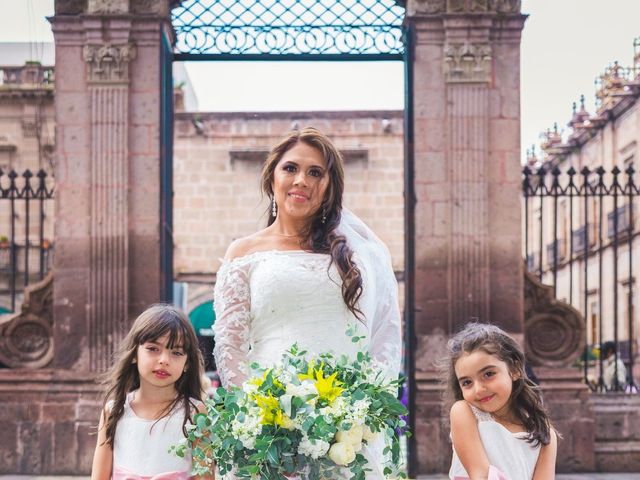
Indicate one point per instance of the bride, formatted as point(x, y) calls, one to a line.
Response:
point(313, 272)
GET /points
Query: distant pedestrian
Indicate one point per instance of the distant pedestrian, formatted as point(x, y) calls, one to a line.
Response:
point(152, 392)
point(499, 427)
point(613, 368)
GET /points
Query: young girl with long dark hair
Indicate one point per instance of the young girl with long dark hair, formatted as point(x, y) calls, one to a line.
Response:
point(152, 392)
point(499, 427)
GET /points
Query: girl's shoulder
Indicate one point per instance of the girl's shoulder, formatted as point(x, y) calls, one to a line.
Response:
point(465, 412)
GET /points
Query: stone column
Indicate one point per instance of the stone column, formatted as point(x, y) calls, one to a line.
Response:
point(108, 92)
point(468, 259)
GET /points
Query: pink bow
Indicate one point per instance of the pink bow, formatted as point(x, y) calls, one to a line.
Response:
point(494, 474)
point(120, 473)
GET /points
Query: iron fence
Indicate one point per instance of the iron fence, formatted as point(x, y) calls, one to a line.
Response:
point(26, 254)
point(580, 231)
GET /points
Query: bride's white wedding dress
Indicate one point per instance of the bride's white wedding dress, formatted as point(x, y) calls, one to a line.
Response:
point(267, 300)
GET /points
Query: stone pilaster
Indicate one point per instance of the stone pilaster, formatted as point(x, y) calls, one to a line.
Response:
point(108, 129)
point(466, 150)
point(108, 79)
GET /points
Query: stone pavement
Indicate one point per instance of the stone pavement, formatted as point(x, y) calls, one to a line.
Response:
point(564, 476)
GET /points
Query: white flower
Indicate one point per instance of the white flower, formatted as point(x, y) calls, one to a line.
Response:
point(302, 390)
point(358, 411)
point(342, 453)
point(313, 448)
point(352, 436)
point(249, 388)
point(369, 435)
point(247, 430)
point(337, 409)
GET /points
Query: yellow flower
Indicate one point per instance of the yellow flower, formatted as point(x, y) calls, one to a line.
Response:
point(310, 375)
point(258, 381)
point(328, 387)
point(269, 410)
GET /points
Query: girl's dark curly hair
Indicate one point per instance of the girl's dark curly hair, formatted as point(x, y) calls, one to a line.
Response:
point(123, 377)
point(321, 236)
point(525, 401)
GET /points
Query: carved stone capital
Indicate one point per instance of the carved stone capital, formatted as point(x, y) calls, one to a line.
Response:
point(108, 63)
point(554, 331)
point(435, 7)
point(467, 62)
point(107, 7)
point(150, 7)
point(26, 338)
point(70, 7)
point(430, 7)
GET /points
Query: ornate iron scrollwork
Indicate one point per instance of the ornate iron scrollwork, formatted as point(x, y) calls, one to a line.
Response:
point(288, 27)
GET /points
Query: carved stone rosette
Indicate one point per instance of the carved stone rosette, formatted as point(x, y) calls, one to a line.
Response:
point(108, 63)
point(26, 338)
point(467, 62)
point(554, 330)
point(106, 7)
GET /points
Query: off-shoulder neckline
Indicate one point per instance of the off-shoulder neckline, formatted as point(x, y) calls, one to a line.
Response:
point(249, 256)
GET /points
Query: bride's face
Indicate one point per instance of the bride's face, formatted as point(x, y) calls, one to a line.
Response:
point(300, 181)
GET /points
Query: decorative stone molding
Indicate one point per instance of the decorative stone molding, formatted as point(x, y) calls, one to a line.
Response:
point(70, 7)
point(506, 6)
point(429, 6)
point(434, 7)
point(26, 338)
point(108, 7)
point(554, 330)
point(108, 63)
point(467, 62)
point(150, 7)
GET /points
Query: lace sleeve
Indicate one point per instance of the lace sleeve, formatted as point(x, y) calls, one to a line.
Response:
point(232, 304)
point(386, 331)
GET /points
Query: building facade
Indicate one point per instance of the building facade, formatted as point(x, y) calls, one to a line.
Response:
point(581, 231)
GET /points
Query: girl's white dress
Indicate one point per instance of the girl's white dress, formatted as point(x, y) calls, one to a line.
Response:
point(509, 452)
point(141, 447)
point(266, 301)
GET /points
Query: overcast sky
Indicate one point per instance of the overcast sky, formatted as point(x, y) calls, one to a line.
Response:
point(565, 45)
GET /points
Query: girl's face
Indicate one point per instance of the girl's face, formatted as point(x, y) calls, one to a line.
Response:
point(159, 365)
point(485, 381)
point(300, 181)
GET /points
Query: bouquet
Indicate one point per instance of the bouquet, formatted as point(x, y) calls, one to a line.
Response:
point(309, 417)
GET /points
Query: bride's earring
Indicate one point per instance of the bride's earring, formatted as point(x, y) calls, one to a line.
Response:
point(324, 215)
point(273, 207)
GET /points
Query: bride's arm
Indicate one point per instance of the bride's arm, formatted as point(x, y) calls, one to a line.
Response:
point(232, 303)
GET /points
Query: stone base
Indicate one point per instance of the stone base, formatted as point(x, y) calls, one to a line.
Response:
point(433, 446)
point(568, 402)
point(617, 432)
point(48, 421)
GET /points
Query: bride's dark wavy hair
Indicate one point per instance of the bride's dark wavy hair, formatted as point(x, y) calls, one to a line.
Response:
point(321, 237)
point(525, 401)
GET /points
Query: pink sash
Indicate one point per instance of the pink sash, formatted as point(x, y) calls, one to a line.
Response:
point(120, 473)
point(494, 474)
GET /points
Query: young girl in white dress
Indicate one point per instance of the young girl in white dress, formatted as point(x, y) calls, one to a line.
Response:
point(499, 429)
point(152, 391)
